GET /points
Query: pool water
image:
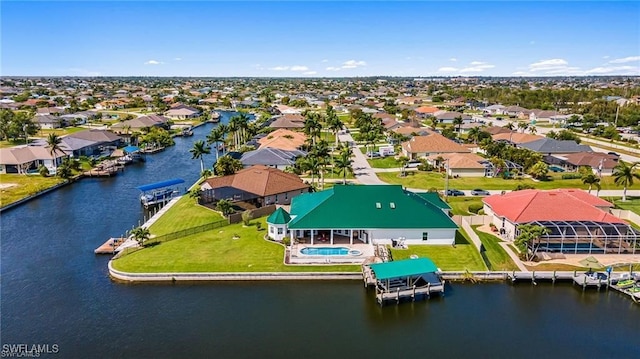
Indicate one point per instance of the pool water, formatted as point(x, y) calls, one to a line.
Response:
point(325, 251)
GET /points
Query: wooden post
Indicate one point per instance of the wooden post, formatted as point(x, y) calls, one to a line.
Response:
point(553, 279)
point(397, 295)
point(414, 293)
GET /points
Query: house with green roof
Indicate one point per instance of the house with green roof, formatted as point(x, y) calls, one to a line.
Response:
point(372, 214)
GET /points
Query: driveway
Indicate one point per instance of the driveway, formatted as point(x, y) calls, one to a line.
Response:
point(361, 169)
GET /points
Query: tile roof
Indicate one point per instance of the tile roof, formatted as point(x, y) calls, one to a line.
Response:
point(407, 130)
point(283, 139)
point(461, 160)
point(494, 130)
point(427, 109)
point(95, 136)
point(516, 137)
point(536, 205)
point(288, 121)
point(591, 159)
point(142, 122)
point(432, 143)
point(259, 180)
point(271, 156)
point(366, 207)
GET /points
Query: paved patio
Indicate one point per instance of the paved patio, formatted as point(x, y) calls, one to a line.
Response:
point(296, 257)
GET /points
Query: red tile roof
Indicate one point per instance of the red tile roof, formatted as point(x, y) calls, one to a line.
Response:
point(554, 205)
point(259, 180)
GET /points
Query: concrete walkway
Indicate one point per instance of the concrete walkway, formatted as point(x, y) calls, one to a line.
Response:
point(130, 242)
point(362, 170)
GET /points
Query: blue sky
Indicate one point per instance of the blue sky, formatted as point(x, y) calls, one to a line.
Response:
point(319, 39)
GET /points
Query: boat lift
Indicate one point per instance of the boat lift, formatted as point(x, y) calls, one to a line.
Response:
point(159, 192)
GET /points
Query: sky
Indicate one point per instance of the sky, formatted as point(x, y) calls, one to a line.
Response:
point(319, 39)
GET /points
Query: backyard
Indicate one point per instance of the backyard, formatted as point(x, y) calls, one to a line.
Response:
point(218, 251)
point(182, 215)
point(495, 254)
point(14, 187)
point(460, 205)
point(462, 256)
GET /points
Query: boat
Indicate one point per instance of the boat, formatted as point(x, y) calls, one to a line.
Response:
point(159, 192)
point(634, 289)
point(187, 131)
point(215, 116)
point(627, 283)
point(124, 160)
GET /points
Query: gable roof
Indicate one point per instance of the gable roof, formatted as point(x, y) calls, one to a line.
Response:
point(536, 205)
point(432, 143)
point(259, 180)
point(95, 135)
point(462, 160)
point(288, 121)
point(591, 159)
point(550, 145)
point(366, 207)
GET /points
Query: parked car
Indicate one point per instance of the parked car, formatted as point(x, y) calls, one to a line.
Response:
point(479, 192)
point(454, 192)
point(613, 154)
point(373, 154)
point(413, 164)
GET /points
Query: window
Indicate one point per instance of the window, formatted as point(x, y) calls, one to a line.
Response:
point(279, 230)
point(271, 230)
point(378, 205)
point(425, 236)
point(392, 205)
point(286, 196)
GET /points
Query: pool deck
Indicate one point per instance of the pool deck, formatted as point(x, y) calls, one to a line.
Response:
point(296, 257)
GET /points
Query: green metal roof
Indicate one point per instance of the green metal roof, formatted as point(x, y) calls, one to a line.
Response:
point(366, 207)
point(435, 199)
point(280, 216)
point(403, 268)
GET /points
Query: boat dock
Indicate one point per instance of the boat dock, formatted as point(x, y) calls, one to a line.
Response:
point(408, 279)
point(105, 169)
point(110, 246)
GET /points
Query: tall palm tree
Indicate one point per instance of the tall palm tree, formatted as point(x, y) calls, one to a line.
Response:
point(591, 180)
point(224, 206)
point(458, 122)
point(214, 137)
point(198, 150)
point(623, 175)
point(234, 127)
point(312, 126)
point(474, 133)
point(54, 142)
point(312, 164)
point(342, 163)
point(523, 126)
point(333, 122)
point(533, 130)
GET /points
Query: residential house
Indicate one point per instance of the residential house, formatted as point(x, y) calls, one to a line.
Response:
point(449, 116)
point(258, 185)
point(586, 228)
point(426, 111)
point(25, 159)
point(601, 164)
point(515, 111)
point(271, 157)
point(283, 139)
point(549, 146)
point(542, 115)
point(91, 143)
point(181, 112)
point(430, 144)
point(42, 111)
point(460, 164)
point(515, 137)
point(48, 121)
point(288, 121)
point(389, 122)
point(140, 123)
point(494, 110)
point(373, 214)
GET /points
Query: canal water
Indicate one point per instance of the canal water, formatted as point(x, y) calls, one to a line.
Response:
point(54, 290)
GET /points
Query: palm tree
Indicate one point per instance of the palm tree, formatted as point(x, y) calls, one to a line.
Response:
point(215, 136)
point(198, 150)
point(140, 235)
point(195, 194)
point(623, 175)
point(343, 164)
point(312, 163)
point(474, 133)
point(224, 206)
point(402, 161)
point(523, 126)
point(54, 142)
point(591, 180)
point(333, 122)
point(234, 127)
point(510, 126)
point(458, 122)
point(312, 126)
point(533, 130)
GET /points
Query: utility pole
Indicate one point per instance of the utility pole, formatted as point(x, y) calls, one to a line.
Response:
point(446, 179)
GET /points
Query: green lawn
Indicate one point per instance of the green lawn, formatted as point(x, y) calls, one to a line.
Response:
point(60, 131)
point(11, 143)
point(632, 204)
point(463, 256)
point(184, 214)
point(23, 186)
point(498, 258)
point(217, 251)
point(460, 205)
point(386, 162)
point(426, 180)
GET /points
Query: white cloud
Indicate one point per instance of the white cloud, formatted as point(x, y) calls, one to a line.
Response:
point(453, 59)
point(475, 63)
point(352, 64)
point(625, 60)
point(325, 60)
point(606, 57)
point(153, 62)
point(309, 73)
point(279, 68)
point(621, 70)
point(550, 64)
point(332, 68)
point(447, 69)
point(299, 68)
point(178, 59)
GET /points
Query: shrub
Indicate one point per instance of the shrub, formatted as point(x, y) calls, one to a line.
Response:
point(246, 217)
point(571, 176)
point(259, 226)
point(522, 186)
point(481, 212)
point(475, 207)
point(44, 171)
point(286, 241)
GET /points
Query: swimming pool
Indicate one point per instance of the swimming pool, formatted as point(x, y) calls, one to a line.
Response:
point(329, 251)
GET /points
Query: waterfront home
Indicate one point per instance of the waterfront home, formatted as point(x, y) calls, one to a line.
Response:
point(577, 221)
point(549, 146)
point(271, 157)
point(25, 159)
point(430, 144)
point(87, 143)
point(373, 214)
point(257, 185)
point(288, 122)
point(600, 163)
point(283, 139)
point(181, 112)
point(140, 123)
